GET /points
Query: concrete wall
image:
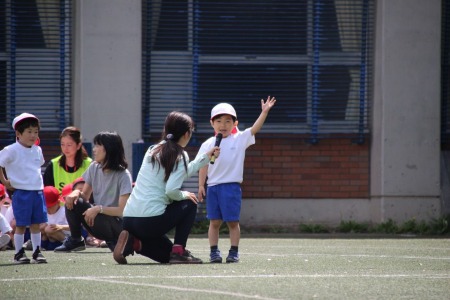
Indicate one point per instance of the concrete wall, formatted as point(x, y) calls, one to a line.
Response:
point(405, 154)
point(107, 63)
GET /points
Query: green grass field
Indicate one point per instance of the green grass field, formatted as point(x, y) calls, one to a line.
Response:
point(288, 267)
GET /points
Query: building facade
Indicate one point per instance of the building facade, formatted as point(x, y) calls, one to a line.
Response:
point(357, 130)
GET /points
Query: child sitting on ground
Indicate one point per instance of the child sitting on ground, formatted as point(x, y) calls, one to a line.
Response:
point(5, 227)
point(55, 231)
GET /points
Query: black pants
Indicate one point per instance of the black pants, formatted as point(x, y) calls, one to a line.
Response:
point(105, 227)
point(151, 231)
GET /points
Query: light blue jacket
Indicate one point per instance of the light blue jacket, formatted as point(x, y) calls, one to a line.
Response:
point(151, 194)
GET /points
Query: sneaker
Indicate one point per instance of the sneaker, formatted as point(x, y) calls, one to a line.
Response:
point(233, 257)
point(126, 245)
point(28, 245)
point(21, 258)
point(38, 258)
point(185, 258)
point(70, 245)
point(122, 248)
point(215, 257)
point(4, 241)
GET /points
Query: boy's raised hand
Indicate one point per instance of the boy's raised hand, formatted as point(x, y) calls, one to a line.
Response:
point(265, 107)
point(268, 104)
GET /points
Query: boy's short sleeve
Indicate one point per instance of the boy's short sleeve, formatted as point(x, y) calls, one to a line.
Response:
point(205, 147)
point(5, 156)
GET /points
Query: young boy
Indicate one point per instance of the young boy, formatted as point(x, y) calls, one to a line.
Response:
point(224, 194)
point(22, 162)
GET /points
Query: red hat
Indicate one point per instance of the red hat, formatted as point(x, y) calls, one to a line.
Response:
point(77, 181)
point(51, 195)
point(2, 190)
point(66, 190)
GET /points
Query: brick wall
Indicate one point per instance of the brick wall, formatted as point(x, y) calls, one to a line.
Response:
point(289, 167)
point(292, 168)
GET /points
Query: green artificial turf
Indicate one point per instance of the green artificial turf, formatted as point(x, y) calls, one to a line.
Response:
point(270, 268)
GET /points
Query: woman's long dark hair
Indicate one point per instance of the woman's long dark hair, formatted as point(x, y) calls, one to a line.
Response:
point(168, 154)
point(75, 134)
point(115, 154)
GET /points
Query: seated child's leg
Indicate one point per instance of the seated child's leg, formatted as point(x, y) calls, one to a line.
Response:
point(4, 225)
point(84, 232)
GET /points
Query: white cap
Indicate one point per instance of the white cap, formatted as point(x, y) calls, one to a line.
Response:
point(22, 117)
point(223, 108)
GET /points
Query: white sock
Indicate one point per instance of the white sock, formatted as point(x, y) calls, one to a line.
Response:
point(18, 241)
point(36, 240)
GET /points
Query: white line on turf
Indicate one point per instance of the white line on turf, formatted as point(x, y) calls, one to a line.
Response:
point(177, 288)
point(418, 276)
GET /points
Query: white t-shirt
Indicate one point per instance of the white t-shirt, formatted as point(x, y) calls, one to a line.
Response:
point(229, 166)
point(4, 225)
point(23, 166)
point(58, 218)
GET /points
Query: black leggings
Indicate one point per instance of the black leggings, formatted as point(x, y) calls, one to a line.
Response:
point(105, 227)
point(151, 231)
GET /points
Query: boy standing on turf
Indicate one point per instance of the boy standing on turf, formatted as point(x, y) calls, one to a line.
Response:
point(225, 175)
point(22, 162)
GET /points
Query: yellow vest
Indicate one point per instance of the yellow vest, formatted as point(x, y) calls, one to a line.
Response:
point(62, 177)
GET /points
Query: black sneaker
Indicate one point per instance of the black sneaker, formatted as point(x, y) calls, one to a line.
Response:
point(185, 258)
point(21, 258)
point(70, 245)
point(38, 258)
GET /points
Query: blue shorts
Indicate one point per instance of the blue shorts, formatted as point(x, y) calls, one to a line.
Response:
point(29, 207)
point(223, 202)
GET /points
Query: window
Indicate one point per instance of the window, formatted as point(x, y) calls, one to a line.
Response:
point(313, 55)
point(35, 61)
